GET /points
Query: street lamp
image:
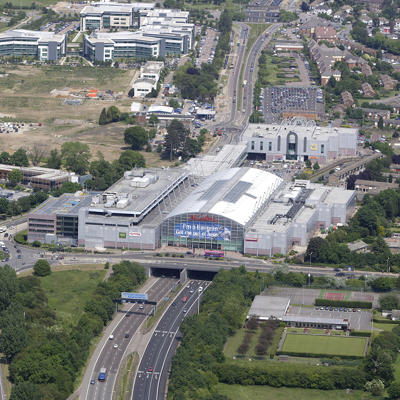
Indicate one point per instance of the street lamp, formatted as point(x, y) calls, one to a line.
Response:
point(310, 259)
point(387, 262)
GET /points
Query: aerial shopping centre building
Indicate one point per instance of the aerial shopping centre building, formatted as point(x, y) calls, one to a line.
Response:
point(246, 210)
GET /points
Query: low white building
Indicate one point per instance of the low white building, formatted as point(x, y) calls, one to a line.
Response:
point(143, 86)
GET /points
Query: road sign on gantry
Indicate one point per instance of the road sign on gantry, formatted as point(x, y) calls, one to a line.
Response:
point(134, 296)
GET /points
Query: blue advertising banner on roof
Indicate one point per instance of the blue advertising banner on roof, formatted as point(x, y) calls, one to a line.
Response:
point(202, 230)
point(134, 296)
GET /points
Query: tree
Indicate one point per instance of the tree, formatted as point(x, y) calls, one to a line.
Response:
point(313, 248)
point(37, 152)
point(153, 119)
point(305, 7)
point(177, 139)
point(382, 284)
point(308, 163)
point(55, 160)
point(103, 117)
point(41, 268)
point(174, 103)
point(393, 391)
point(159, 148)
point(20, 158)
point(380, 123)
point(25, 390)
point(136, 136)
point(131, 92)
point(36, 243)
point(130, 159)
point(113, 114)
point(4, 157)
point(9, 286)
point(389, 301)
point(4, 204)
point(76, 156)
point(15, 176)
point(316, 166)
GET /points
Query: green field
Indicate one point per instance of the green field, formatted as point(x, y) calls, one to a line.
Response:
point(238, 392)
point(68, 291)
point(335, 345)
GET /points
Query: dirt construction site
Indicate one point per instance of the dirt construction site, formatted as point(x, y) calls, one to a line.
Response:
point(37, 94)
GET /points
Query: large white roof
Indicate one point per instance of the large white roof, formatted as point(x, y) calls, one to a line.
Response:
point(236, 193)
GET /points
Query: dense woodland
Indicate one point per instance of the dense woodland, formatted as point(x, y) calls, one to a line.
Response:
point(46, 356)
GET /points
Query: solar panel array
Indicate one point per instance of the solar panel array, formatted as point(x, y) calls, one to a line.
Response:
point(213, 190)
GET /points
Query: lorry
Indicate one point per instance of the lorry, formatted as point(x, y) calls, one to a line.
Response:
point(244, 83)
point(266, 34)
point(102, 374)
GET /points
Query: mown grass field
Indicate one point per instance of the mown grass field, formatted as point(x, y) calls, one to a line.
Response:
point(68, 291)
point(235, 341)
point(335, 345)
point(238, 392)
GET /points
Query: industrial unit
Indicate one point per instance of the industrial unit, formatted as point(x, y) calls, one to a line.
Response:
point(245, 210)
point(299, 139)
point(46, 46)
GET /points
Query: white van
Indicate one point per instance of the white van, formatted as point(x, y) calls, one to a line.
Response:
point(200, 289)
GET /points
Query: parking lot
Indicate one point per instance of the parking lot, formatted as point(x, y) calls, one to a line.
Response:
point(206, 47)
point(277, 99)
point(360, 321)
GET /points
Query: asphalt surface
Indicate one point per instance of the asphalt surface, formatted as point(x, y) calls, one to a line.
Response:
point(110, 357)
point(151, 384)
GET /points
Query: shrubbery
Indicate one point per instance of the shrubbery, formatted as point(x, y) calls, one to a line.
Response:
point(344, 303)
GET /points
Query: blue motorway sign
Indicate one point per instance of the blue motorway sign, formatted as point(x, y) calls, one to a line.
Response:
point(134, 296)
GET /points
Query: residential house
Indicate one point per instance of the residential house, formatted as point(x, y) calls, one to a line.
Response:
point(397, 23)
point(367, 90)
point(323, 9)
point(395, 103)
point(366, 70)
point(347, 9)
point(347, 99)
point(395, 315)
point(374, 114)
point(364, 12)
point(366, 20)
point(325, 33)
point(340, 108)
point(308, 28)
point(387, 82)
point(358, 247)
point(383, 21)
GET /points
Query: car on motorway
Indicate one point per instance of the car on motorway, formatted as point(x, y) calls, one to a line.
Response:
point(73, 259)
point(19, 251)
point(92, 382)
point(115, 346)
point(126, 335)
point(184, 300)
point(5, 259)
point(128, 314)
point(15, 246)
point(111, 337)
point(141, 307)
point(336, 269)
point(19, 256)
point(150, 369)
point(191, 290)
point(184, 310)
point(200, 289)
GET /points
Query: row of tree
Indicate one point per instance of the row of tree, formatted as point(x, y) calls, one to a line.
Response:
point(205, 334)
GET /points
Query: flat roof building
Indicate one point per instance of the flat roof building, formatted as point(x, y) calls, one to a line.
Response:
point(46, 46)
point(269, 307)
point(299, 139)
point(246, 210)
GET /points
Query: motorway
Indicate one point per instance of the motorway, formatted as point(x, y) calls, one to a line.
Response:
point(151, 384)
point(110, 357)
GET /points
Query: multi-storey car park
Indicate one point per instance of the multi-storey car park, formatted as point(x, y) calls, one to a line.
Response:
point(245, 210)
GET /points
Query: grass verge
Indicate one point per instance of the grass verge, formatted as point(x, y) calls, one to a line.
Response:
point(333, 345)
point(239, 392)
point(68, 291)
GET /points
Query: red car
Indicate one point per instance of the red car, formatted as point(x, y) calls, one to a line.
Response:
point(150, 369)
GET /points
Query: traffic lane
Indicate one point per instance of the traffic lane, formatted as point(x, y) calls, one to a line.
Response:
point(147, 383)
point(109, 356)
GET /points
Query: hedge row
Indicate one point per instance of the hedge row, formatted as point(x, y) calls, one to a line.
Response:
point(291, 375)
point(385, 321)
point(343, 303)
point(363, 334)
point(278, 334)
point(315, 355)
